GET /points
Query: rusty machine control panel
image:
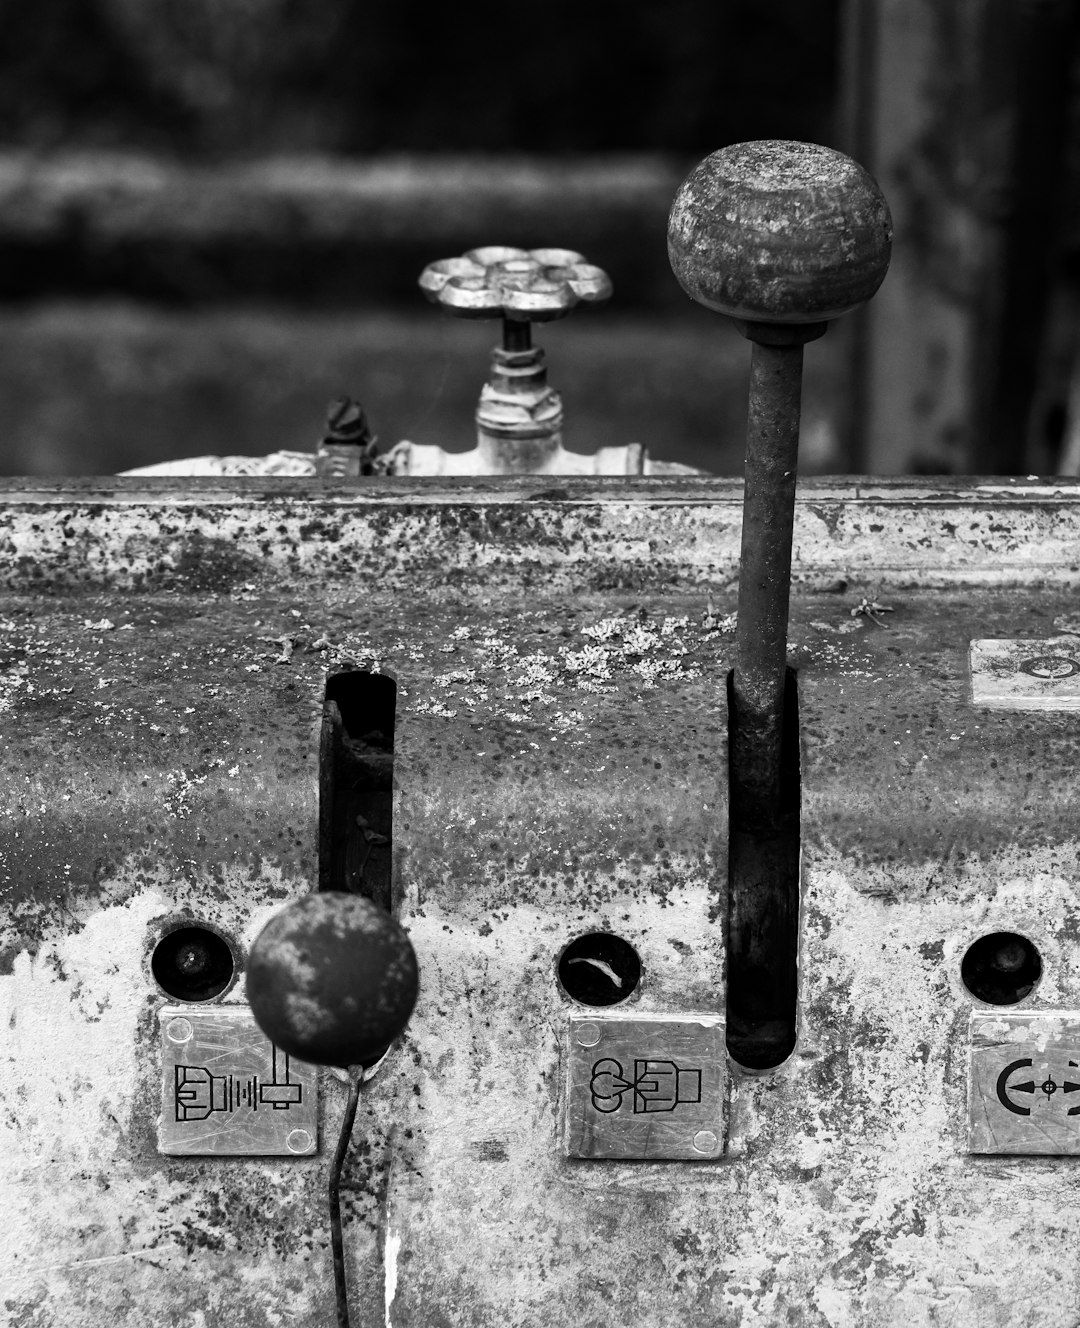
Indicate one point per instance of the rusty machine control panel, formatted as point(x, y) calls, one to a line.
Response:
point(672, 883)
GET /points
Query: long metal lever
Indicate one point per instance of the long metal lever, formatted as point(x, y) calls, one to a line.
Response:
point(332, 979)
point(782, 238)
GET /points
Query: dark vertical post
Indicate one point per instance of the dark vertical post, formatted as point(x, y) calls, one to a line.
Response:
point(1040, 54)
point(857, 133)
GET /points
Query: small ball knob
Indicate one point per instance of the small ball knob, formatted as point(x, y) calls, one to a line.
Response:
point(332, 979)
point(779, 232)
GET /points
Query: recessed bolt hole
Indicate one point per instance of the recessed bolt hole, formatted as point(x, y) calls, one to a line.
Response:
point(193, 964)
point(599, 969)
point(1001, 968)
point(192, 959)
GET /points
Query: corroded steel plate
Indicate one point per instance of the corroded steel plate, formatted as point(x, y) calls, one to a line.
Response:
point(227, 1090)
point(647, 1087)
point(560, 768)
point(1024, 1084)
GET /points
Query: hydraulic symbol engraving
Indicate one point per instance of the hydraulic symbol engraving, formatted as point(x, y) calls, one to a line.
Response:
point(227, 1090)
point(1003, 1087)
point(198, 1093)
point(1023, 1081)
point(656, 1086)
point(1050, 666)
point(1048, 1087)
point(646, 1086)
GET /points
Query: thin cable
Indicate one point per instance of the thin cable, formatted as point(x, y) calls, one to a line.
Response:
point(334, 1188)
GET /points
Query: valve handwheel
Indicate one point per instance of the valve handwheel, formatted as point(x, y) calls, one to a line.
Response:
point(521, 286)
point(519, 416)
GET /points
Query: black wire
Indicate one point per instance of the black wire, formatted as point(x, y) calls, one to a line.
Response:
point(335, 1201)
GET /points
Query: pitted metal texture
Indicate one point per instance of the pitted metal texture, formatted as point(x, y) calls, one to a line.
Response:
point(560, 768)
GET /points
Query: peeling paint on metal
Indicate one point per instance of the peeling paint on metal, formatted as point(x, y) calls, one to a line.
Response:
point(560, 767)
point(392, 1249)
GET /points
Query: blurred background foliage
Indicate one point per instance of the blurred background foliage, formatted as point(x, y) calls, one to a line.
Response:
point(213, 214)
point(229, 77)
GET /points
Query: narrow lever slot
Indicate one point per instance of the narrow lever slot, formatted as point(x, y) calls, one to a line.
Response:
point(763, 900)
point(356, 784)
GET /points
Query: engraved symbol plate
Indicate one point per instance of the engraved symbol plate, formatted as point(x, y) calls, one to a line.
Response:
point(648, 1087)
point(226, 1090)
point(1024, 1082)
point(1026, 674)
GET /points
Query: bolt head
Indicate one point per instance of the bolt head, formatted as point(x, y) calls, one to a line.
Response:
point(332, 979)
point(779, 232)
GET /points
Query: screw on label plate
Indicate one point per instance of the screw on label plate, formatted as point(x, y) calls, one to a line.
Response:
point(226, 1090)
point(1024, 1076)
point(655, 1090)
point(1026, 673)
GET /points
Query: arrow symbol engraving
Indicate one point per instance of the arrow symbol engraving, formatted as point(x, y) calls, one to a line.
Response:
point(1004, 1087)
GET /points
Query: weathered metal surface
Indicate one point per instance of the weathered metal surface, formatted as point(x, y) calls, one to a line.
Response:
point(1031, 674)
point(560, 768)
point(1023, 1066)
point(650, 1087)
point(209, 535)
point(779, 232)
point(226, 1090)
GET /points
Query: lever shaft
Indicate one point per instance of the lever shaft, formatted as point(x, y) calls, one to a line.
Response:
point(772, 451)
point(780, 237)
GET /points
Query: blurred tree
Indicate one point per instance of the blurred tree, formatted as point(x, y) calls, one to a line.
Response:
point(66, 75)
point(255, 76)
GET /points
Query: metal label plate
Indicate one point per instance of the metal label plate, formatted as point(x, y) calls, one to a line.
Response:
point(648, 1087)
point(1026, 674)
point(226, 1090)
point(1024, 1082)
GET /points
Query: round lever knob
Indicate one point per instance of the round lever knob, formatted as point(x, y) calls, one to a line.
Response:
point(779, 232)
point(332, 979)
